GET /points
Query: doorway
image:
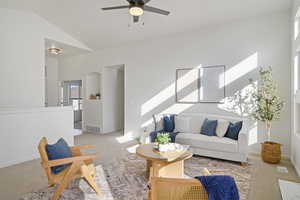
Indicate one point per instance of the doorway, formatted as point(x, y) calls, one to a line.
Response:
point(71, 95)
point(113, 98)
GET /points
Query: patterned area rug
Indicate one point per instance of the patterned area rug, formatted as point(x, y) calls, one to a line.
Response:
point(76, 190)
point(125, 179)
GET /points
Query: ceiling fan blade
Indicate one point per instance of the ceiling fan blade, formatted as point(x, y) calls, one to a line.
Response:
point(115, 7)
point(135, 19)
point(156, 10)
point(137, 2)
point(146, 1)
point(132, 1)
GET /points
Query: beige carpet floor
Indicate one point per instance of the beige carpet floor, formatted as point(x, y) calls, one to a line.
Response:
point(17, 180)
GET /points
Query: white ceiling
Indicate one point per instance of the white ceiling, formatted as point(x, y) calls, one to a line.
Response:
point(84, 19)
point(67, 50)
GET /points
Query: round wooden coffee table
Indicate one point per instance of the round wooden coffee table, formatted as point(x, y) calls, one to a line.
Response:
point(159, 164)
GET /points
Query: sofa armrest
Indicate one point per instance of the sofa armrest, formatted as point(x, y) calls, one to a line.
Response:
point(147, 129)
point(150, 128)
point(145, 133)
point(243, 142)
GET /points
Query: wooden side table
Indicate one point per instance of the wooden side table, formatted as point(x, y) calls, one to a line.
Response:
point(160, 166)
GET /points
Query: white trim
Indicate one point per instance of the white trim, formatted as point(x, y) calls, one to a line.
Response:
point(9, 163)
point(295, 166)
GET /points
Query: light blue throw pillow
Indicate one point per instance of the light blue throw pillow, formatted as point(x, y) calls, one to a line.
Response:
point(209, 127)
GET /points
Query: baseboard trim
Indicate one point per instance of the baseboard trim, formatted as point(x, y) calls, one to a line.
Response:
point(283, 157)
point(17, 161)
point(295, 166)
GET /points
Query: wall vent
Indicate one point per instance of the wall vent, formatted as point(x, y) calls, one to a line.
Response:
point(93, 129)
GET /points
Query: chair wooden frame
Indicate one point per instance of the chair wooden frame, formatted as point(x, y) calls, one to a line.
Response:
point(162, 188)
point(176, 189)
point(81, 166)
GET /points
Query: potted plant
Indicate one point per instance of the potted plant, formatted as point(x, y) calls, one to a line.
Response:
point(267, 108)
point(163, 140)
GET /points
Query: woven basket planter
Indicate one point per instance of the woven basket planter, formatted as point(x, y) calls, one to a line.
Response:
point(271, 152)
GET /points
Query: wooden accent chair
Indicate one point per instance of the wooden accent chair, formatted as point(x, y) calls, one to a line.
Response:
point(81, 166)
point(177, 188)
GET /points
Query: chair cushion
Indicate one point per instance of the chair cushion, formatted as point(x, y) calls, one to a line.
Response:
point(209, 127)
point(169, 123)
point(59, 150)
point(214, 143)
point(233, 130)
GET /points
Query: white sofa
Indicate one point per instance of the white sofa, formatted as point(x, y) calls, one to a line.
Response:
point(209, 146)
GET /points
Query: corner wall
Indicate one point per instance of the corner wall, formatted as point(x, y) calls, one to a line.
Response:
point(295, 77)
point(242, 46)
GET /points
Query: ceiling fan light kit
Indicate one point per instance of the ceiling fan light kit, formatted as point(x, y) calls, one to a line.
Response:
point(137, 8)
point(136, 11)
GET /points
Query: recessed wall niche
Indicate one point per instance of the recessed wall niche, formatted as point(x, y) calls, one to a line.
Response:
point(93, 85)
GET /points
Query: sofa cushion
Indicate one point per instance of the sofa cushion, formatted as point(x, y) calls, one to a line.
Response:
point(195, 124)
point(207, 142)
point(182, 124)
point(234, 130)
point(209, 127)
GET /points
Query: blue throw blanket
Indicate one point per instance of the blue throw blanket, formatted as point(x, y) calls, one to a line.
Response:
point(220, 187)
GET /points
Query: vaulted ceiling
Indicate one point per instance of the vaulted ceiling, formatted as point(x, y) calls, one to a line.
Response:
point(85, 21)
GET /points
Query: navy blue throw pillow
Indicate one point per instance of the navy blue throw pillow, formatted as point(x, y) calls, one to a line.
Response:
point(233, 130)
point(169, 123)
point(209, 127)
point(59, 150)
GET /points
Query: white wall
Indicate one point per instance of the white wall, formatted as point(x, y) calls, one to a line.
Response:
point(22, 129)
point(22, 84)
point(295, 108)
point(22, 57)
point(242, 46)
point(52, 89)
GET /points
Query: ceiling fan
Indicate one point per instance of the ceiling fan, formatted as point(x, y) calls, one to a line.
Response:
point(137, 8)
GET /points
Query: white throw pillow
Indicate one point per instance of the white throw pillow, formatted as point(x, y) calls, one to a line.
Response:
point(222, 128)
point(182, 124)
point(159, 122)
